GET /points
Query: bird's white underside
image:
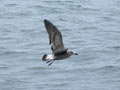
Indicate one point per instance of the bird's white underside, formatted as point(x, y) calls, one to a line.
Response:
point(50, 57)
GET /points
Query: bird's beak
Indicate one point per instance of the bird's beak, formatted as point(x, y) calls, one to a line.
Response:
point(75, 53)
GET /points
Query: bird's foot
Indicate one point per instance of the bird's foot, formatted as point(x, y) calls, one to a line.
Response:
point(50, 62)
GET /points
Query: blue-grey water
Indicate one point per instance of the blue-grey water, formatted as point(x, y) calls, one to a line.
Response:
point(89, 27)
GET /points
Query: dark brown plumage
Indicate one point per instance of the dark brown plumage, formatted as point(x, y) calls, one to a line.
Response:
point(55, 38)
point(57, 46)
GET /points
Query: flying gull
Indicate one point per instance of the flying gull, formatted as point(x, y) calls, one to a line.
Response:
point(55, 40)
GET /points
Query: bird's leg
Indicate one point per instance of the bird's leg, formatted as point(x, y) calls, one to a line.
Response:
point(51, 62)
point(48, 61)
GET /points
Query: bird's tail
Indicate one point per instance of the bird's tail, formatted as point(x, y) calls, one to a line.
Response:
point(44, 57)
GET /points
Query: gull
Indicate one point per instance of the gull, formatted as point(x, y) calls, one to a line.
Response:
point(59, 52)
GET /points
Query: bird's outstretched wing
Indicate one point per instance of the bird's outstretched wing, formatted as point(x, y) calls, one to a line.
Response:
point(55, 38)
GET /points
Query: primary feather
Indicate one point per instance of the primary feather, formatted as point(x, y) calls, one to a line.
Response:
point(55, 38)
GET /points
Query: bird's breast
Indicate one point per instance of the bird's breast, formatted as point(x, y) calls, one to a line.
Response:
point(60, 57)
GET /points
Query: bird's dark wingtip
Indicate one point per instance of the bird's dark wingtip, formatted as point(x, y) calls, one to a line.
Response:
point(46, 21)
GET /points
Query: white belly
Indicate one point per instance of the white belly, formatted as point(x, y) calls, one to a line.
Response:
point(50, 57)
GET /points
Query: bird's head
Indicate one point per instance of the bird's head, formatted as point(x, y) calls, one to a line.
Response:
point(72, 53)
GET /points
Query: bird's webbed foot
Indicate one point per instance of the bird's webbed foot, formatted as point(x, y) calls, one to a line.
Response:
point(50, 62)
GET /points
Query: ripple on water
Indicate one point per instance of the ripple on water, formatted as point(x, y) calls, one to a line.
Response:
point(11, 5)
point(108, 69)
point(89, 27)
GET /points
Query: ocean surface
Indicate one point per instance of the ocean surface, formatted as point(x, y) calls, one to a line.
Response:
point(89, 27)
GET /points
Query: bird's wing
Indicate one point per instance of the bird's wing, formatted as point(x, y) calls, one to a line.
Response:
point(55, 38)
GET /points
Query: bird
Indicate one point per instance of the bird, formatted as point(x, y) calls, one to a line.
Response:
point(59, 52)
